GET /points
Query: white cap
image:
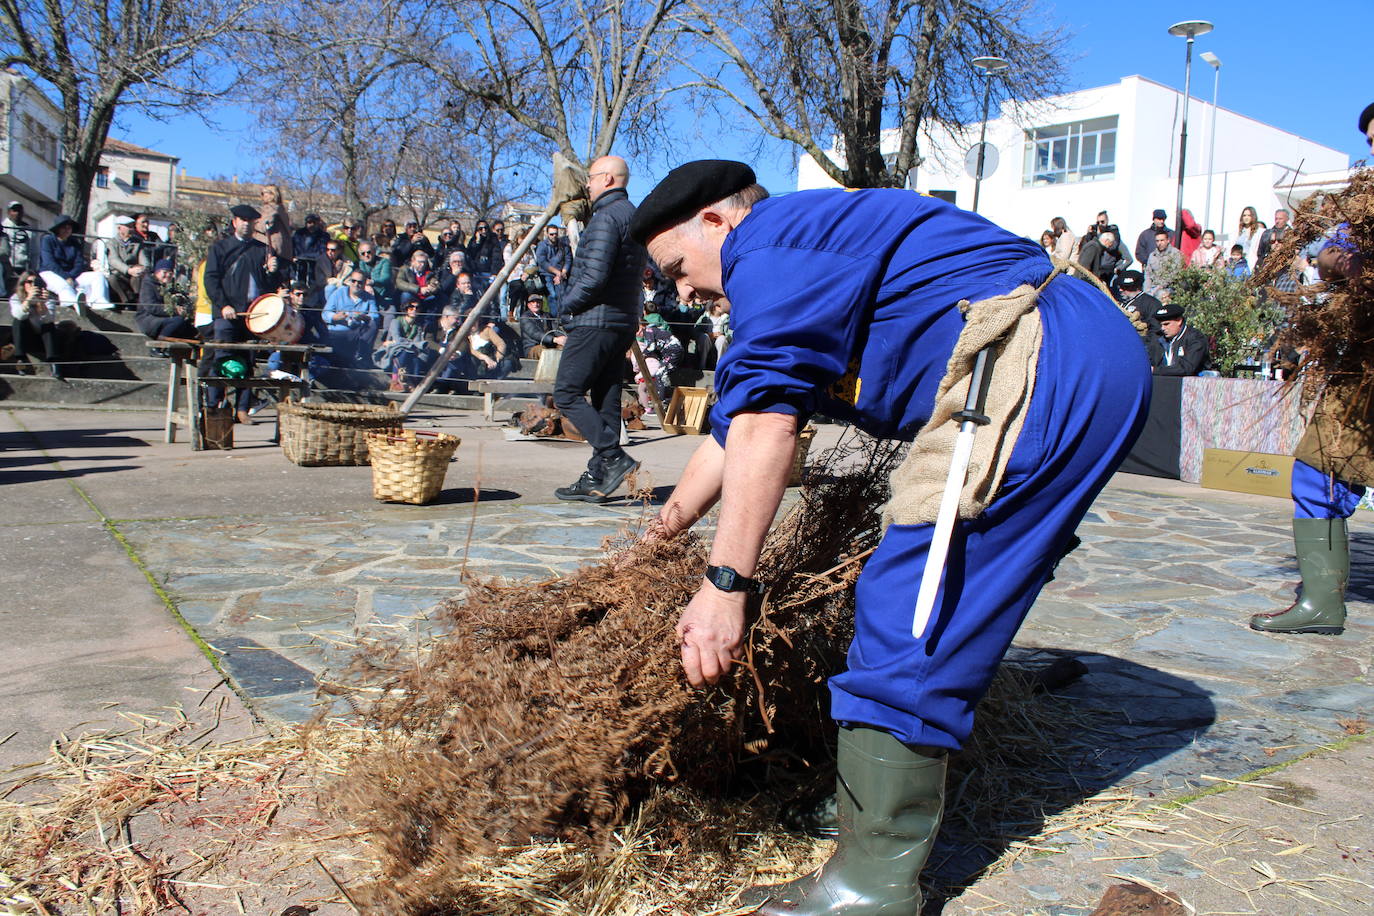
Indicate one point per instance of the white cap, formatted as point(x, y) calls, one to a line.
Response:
point(124, 220)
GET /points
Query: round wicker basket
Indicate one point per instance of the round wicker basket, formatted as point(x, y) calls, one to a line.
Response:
point(409, 467)
point(322, 435)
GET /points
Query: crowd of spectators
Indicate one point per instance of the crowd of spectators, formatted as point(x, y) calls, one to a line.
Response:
point(1142, 278)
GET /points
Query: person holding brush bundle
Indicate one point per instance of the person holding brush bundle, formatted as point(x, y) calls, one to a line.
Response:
point(873, 307)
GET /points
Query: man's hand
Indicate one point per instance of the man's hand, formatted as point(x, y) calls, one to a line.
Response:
point(712, 631)
point(270, 264)
point(228, 313)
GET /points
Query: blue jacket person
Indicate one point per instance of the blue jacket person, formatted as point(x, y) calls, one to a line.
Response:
point(863, 305)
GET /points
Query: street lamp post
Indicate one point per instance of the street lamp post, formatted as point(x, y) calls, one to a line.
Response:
point(1215, 63)
point(1189, 30)
point(989, 67)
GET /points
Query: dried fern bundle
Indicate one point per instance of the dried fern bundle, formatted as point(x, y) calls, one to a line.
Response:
point(551, 708)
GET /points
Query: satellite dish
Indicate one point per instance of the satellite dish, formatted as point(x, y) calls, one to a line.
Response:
point(989, 160)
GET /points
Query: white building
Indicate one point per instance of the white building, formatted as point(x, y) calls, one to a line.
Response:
point(1115, 148)
point(132, 179)
point(30, 149)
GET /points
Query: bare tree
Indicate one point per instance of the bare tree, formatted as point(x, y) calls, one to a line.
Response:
point(810, 70)
point(573, 73)
point(99, 56)
point(337, 89)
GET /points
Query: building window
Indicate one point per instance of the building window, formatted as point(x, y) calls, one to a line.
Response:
point(39, 141)
point(102, 177)
point(1081, 151)
point(140, 182)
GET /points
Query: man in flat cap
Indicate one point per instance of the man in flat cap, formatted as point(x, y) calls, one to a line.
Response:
point(600, 305)
point(238, 269)
point(1178, 349)
point(870, 306)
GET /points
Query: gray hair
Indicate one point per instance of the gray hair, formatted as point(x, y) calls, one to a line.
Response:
point(452, 311)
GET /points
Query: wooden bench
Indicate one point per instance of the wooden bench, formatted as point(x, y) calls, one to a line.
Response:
point(185, 357)
point(490, 387)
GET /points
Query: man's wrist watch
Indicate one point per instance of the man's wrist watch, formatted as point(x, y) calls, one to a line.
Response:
point(727, 580)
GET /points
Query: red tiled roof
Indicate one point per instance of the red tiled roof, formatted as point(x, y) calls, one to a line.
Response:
point(129, 149)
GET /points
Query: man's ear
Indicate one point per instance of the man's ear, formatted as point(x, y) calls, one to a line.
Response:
point(717, 222)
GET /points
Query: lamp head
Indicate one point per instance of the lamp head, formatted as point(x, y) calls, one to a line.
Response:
point(1190, 29)
point(1211, 58)
point(990, 65)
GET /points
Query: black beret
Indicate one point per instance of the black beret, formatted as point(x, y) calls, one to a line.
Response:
point(243, 211)
point(1132, 279)
point(685, 190)
point(1365, 117)
point(63, 220)
point(1169, 312)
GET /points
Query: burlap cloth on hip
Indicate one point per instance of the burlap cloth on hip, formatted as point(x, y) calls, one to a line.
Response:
point(1012, 323)
point(1340, 438)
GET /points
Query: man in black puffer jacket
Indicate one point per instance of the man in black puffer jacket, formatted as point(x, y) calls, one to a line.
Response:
point(600, 306)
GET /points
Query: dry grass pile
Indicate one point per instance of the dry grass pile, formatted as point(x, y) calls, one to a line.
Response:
point(551, 708)
point(1333, 321)
point(141, 821)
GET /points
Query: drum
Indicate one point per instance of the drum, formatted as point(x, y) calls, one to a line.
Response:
point(273, 318)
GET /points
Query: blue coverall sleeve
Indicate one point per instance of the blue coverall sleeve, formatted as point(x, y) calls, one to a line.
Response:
point(795, 319)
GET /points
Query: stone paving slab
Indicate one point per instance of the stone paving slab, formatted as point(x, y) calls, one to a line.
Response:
point(1162, 626)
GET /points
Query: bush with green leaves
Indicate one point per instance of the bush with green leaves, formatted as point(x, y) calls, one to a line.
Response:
point(1228, 312)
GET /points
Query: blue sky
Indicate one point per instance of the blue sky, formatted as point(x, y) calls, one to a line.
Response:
point(1310, 76)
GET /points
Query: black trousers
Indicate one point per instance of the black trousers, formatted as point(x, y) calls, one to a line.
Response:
point(231, 331)
point(154, 328)
point(593, 364)
point(28, 339)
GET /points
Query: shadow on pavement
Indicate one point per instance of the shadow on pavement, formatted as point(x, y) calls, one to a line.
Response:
point(1118, 718)
point(1361, 568)
point(459, 496)
point(12, 477)
point(10, 462)
point(69, 438)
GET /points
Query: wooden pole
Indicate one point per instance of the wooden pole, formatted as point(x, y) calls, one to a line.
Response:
point(643, 367)
point(494, 290)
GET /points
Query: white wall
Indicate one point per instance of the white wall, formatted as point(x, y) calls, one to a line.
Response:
point(24, 175)
point(1254, 162)
point(121, 195)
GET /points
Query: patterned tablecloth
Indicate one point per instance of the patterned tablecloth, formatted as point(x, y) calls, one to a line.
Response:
point(1243, 414)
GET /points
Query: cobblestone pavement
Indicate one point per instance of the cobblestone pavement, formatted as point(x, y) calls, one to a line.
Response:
point(1155, 603)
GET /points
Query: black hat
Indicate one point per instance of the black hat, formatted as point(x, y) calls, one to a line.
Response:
point(63, 220)
point(685, 190)
point(312, 217)
point(1132, 279)
point(1160, 214)
point(1365, 117)
point(1169, 312)
point(243, 211)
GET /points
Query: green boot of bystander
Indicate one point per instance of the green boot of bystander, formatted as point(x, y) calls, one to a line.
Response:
point(1323, 549)
point(891, 798)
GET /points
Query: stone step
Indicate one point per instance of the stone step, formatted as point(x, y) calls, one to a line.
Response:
point(42, 388)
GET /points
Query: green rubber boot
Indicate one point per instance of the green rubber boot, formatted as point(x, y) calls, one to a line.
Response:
point(1323, 548)
point(891, 797)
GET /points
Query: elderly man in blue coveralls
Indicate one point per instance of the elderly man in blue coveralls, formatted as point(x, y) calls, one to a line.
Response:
point(848, 303)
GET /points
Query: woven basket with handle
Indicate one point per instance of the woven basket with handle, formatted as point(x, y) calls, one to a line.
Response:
point(320, 435)
point(409, 467)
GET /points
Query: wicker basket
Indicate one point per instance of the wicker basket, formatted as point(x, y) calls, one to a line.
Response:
point(409, 467)
point(328, 435)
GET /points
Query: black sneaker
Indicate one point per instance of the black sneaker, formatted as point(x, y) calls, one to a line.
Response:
point(614, 472)
point(584, 489)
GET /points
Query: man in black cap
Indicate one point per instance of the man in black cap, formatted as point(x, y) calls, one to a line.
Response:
point(153, 318)
point(1181, 350)
point(1145, 242)
point(1139, 303)
point(871, 306)
point(238, 269)
point(16, 244)
point(308, 241)
point(1367, 125)
point(600, 305)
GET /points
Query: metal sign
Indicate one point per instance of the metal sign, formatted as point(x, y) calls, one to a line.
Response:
point(989, 160)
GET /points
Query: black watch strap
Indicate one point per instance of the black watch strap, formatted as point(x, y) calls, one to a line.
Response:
point(727, 580)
